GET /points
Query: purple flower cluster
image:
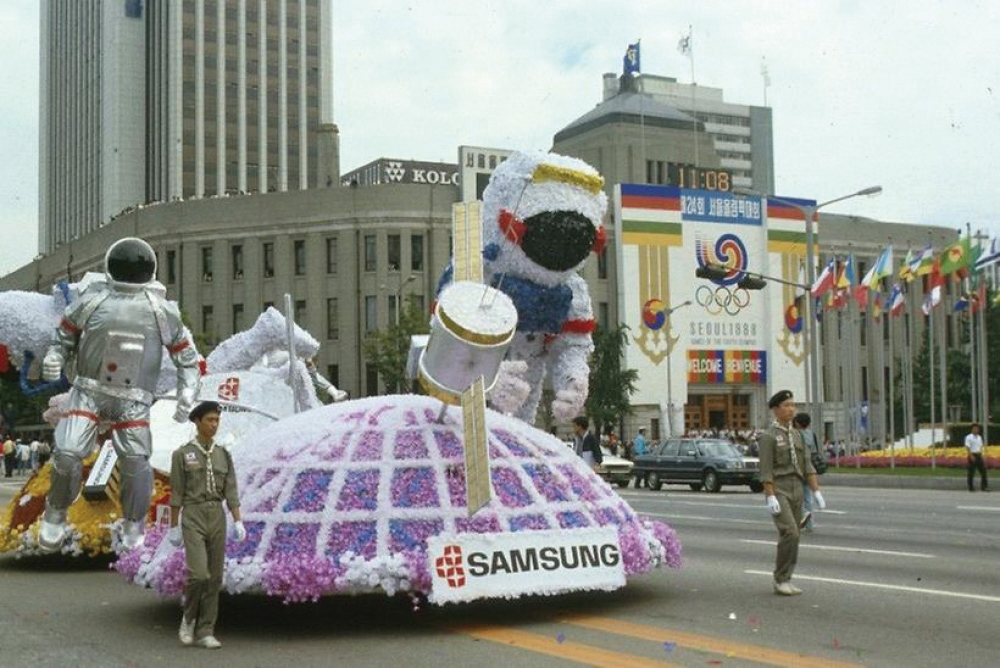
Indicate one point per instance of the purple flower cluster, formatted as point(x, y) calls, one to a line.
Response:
point(409, 445)
point(546, 482)
point(529, 522)
point(293, 539)
point(247, 548)
point(668, 539)
point(309, 493)
point(511, 443)
point(481, 522)
point(509, 488)
point(582, 489)
point(572, 519)
point(448, 444)
point(414, 488)
point(172, 575)
point(357, 537)
point(369, 447)
point(360, 491)
point(301, 578)
point(412, 534)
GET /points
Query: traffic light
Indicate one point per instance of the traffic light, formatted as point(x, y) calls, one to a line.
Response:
point(750, 283)
point(710, 273)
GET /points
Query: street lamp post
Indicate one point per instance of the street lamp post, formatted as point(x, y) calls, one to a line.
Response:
point(809, 212)
point(670, 396)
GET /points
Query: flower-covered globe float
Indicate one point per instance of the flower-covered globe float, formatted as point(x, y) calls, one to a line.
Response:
point(357, 497)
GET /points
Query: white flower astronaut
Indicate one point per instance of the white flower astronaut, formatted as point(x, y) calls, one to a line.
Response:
point(114, 333)
point(542, 217)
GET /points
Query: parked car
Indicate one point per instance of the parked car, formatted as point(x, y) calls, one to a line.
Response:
point(615, 470)
point(698, 462)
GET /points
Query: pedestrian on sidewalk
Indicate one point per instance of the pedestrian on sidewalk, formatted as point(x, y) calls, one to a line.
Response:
point(974, 446)
point(784, 465)
point(202, 476)
point(815, 454)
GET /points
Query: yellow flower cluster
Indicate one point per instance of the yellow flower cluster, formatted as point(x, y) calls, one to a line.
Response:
point(989, 451)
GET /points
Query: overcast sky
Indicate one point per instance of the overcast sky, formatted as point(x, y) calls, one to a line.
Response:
point(904, 94)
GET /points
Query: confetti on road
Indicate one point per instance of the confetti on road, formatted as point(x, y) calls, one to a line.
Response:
point(561, 638)
point(669, 647)
point(732, 615)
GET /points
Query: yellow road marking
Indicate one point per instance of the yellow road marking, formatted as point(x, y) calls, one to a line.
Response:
point(703, 643)
point(585, 654)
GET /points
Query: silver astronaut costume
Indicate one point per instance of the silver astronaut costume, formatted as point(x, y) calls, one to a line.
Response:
point(113, 335)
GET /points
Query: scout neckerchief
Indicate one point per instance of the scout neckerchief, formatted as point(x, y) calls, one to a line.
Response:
point(791, 443)
point(209, 469)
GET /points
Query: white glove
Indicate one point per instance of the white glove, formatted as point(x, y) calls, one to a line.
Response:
point(185, 402)
point(510, 390)
point(239, 532)
point(52, 365)
point(818, 498)
point(773, 505)
point(569, 401)
point(175, 537)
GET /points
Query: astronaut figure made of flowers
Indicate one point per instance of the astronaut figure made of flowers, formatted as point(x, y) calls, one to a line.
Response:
point(542, 217)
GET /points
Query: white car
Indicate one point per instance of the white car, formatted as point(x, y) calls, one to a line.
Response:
point(615, 470)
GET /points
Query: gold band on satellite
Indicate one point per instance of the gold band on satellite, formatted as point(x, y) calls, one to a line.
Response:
point(477, 459)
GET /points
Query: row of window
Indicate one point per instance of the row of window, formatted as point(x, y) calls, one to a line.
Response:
point(394, 258)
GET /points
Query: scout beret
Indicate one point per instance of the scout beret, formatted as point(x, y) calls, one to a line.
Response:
point(201, 409)
point(778, 398)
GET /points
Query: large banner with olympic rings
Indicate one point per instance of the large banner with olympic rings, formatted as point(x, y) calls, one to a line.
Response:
point(709, 332)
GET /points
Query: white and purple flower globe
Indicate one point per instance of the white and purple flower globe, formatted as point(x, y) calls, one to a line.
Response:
point(343, 499)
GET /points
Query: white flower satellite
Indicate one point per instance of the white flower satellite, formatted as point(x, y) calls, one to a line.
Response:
point(471, 329)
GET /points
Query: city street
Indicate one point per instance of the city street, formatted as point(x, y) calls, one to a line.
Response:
point(890, 578)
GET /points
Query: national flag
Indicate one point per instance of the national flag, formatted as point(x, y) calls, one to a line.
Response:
point(961, 304)
point(630, 63)
point(990, 254)
point(905, 269)
point(879, 270)
point(684, 44)
point(955, 257)
point(824, 281)
point(932, 296)
point(923, 263)
point(978, 298)
point(847, 276)
point(877, 306)
point(897, 300)
point(793, 315)
point(861, 296)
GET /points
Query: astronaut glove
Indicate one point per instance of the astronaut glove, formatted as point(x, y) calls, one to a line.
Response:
point(511, 390)
point(569, 401)
point(239, 532)
point(185, 402)
point(820, 501)
point(773, 505)
point(52, 365)
point(174, 536)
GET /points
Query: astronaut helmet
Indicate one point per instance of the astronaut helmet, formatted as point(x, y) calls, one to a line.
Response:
point(130, 260)
point(543, 215)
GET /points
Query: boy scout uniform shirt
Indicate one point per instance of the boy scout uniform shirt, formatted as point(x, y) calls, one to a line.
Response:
point(783, 452)
point(189, 477)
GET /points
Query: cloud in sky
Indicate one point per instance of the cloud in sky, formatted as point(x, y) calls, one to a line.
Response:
point(901, 94)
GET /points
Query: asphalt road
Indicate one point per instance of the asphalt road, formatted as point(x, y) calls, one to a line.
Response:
point(890, 578)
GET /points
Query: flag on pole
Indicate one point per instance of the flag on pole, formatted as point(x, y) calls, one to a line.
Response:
point(877, 306)
point(990, 254)
point(955, 257)
point(684, 44)
point(879, 270)
point(934, 285)
point(961, 304)
point(979, 297)
point(905, 269)
point(825, 280)
point(897, 300)
point(630, 63)
point(861, 296)
point(793, 315)
point(847, 276)
point(924, 263)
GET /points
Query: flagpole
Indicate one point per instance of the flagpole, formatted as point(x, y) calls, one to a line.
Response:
point(930, 367)
point(911, 329)
point(983, 366)
point(943, 368)
point(892, 391)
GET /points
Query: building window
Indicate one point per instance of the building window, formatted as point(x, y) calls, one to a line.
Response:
point(268, 257)
point(418, 302)
point(416, 252)
point(299, 248)
point(371, 314)
point(333, 374)
point(393, 310)
point(602, 263)
point(300, 312)
point(332, 320)
point(208, 321)
point(237, 318)
point(602, 316)
point(237, 251)
point(331, 255)
point(395, 251)
point(171, 267)
point(206, 264)
point(371, 380)
point(370, 259)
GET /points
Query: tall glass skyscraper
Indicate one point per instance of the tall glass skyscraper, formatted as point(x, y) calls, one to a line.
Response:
point(147, 101)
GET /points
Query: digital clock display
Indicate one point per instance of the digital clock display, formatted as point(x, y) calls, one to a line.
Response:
point(699, 178)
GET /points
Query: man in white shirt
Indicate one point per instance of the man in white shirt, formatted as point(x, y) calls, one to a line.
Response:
point(974, 444)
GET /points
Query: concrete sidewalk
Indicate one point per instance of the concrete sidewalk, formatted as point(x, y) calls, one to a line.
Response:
point(895, 481)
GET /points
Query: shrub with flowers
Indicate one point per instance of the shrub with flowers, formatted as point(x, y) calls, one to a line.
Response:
point(343, 499)
point(954, 458)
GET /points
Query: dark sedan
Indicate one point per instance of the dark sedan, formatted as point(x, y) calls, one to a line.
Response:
point(698, 462)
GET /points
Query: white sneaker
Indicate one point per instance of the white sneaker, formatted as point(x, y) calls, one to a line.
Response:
point(786, 589)
point(51, 536)
point(132, 535)
point(208, 642)
point(186, 632)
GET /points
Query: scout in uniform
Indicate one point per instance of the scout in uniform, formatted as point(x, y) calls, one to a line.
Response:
point(784, 466)
point(201, 477)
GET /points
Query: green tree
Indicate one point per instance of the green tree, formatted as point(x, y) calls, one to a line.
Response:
point(388, 349)
point(611, 386)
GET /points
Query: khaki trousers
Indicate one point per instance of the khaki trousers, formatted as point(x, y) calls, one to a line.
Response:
point(788, 489)
point(204, 528)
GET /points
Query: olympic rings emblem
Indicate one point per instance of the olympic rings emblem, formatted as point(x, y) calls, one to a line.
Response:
point(722, 298)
